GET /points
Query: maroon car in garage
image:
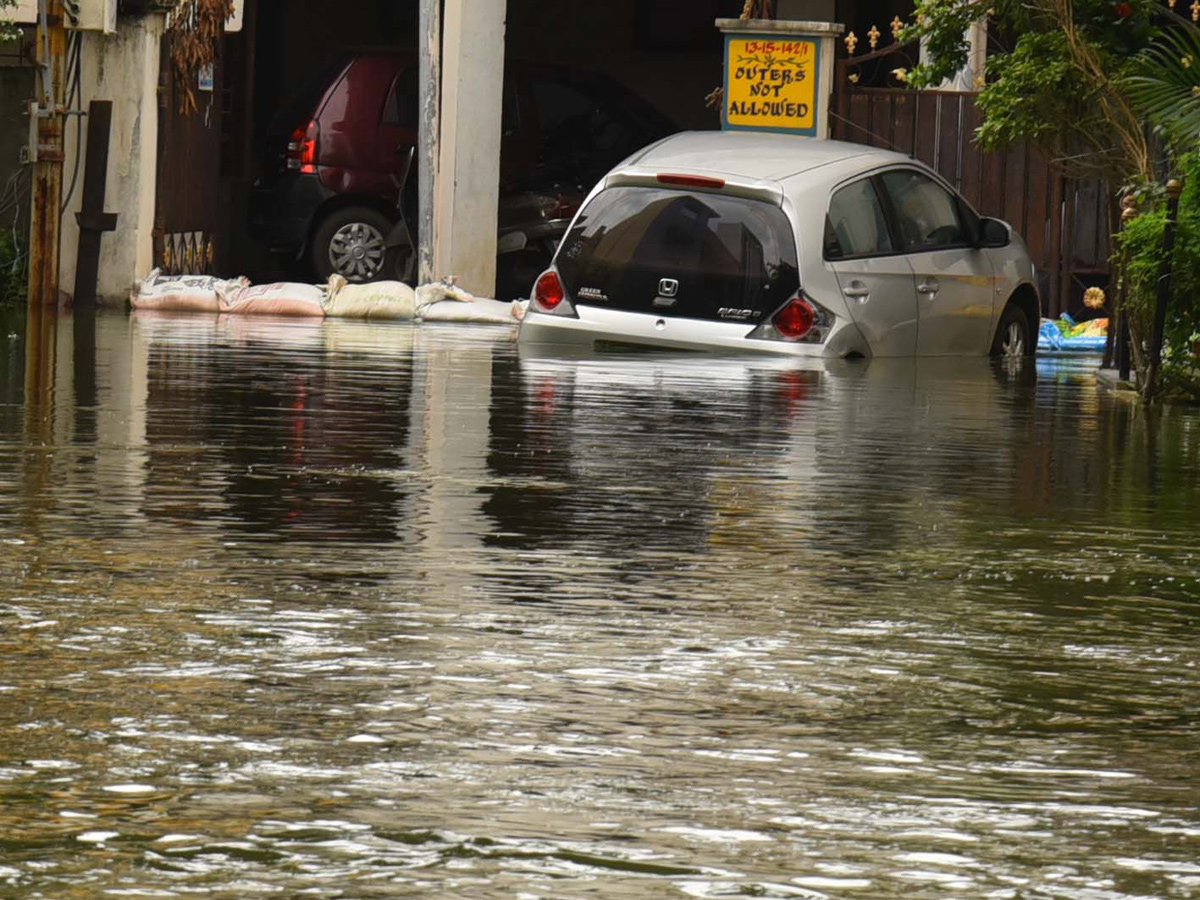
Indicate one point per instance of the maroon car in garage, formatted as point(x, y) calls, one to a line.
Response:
point(337, 175)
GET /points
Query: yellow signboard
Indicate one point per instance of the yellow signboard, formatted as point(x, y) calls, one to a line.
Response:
point(771, 84)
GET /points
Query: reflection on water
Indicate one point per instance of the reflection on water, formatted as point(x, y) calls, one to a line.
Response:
point(333, 609)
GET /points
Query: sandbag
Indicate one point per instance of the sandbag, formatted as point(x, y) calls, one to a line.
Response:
point(440, 290)
point(184, 293)
point(481, 311)
point(379, 300)
point(280, 299)
point(445, 301)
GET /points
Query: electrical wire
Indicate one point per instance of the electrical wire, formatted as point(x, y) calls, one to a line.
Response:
point(74, 65)
point(14, 187)
point(19, 190)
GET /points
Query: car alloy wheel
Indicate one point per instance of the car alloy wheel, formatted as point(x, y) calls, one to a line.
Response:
point(1013, 343)
point(1013, 338)
point(356, 251)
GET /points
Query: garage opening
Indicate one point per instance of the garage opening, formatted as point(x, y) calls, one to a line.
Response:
point(316, 84)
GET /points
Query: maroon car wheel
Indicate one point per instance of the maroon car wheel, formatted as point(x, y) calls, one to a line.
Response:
point(351, 243)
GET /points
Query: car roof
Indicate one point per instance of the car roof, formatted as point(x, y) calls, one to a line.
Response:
point(759, 155)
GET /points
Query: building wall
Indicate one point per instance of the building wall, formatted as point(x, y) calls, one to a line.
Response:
point(123, 68)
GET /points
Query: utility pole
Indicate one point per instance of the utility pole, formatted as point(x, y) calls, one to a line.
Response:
point(428, 128)
point(46, 148)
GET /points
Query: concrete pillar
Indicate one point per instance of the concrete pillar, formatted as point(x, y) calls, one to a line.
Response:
point(428, 133)
point(469, 173)
point(123, 68)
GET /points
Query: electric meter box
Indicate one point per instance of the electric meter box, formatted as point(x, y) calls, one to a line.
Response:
point(90, 15)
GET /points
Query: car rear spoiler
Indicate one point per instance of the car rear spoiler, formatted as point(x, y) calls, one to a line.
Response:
point(728, 185)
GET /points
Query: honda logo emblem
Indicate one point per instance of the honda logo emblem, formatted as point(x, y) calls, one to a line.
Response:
point(668, 287)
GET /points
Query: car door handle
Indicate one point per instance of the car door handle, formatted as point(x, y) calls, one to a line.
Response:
point(929, 286)
point(856, 290)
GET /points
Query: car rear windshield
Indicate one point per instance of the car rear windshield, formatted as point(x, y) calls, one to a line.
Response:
point(680, 253)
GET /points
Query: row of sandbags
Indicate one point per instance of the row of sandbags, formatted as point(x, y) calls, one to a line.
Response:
point(441, 301)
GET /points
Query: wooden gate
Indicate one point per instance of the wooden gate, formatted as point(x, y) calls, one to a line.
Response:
point(187, 197)
point(1063, 221)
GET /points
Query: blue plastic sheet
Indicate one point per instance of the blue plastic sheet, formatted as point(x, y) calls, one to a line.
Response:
point(1051, 340)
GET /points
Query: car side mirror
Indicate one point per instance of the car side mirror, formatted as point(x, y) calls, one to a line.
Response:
point(993, 233)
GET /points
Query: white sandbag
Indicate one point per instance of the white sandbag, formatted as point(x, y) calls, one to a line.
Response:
point(379, 300)
point(280, 299)
point(480, 310)
point(445, 289)
point(185, 293)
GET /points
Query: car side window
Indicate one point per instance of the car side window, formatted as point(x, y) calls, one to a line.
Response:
point(926, 213)
point(401, 108)
point(855, 224)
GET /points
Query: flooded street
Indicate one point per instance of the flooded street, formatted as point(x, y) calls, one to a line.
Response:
point(334, 609)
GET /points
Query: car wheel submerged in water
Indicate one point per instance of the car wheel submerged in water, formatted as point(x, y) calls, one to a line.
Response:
point(1013, 337)
point(351, 242)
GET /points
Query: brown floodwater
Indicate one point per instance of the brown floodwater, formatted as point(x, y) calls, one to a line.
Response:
point(348, 610)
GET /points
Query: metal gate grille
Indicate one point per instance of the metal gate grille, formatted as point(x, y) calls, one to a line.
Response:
point(187, 201)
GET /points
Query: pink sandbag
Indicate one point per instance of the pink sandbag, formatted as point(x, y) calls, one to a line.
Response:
point(182, 293)
point(282, 299)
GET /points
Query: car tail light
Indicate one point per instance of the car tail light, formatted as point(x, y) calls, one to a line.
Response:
point(549, 295)
point(696, 181)
point(796, 319)
point(302, 149)
point(801, 320)
point(549, 290)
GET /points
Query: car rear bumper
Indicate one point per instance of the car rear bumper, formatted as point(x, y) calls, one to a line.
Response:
point(614, 327)
point(281, 212)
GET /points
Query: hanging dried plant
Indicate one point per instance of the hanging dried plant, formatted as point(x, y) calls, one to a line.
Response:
point(195, 31)
point(753, 9)
point(757, 9)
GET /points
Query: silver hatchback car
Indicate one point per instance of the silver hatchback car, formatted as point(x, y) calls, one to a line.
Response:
point(736, 241)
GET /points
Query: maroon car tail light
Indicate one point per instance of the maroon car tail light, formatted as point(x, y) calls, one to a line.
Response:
point(302, 149)
point(549, 296)
point(692, 181)
point(796, 319)
point(801, 320)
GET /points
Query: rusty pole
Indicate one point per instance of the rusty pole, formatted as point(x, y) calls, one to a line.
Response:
point(47, 132)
